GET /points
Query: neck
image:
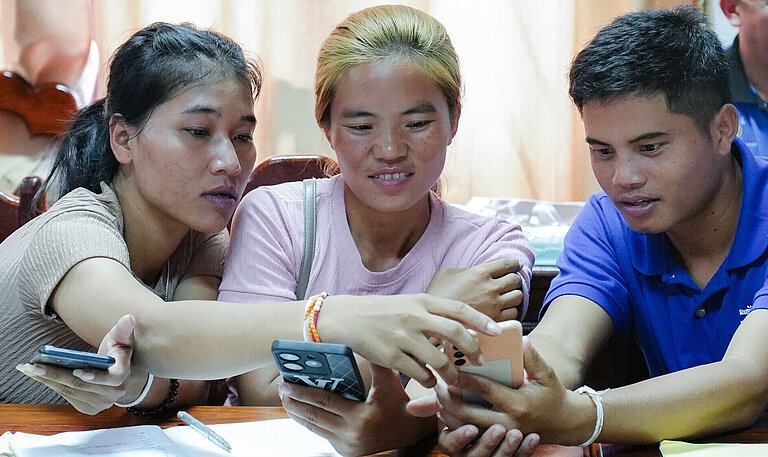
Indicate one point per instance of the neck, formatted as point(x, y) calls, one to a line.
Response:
point(151, 236)
point(703, 243)
point(757, 73)
point(383, 239)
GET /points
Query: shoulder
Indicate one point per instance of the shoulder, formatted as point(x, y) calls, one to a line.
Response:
point(462, 219)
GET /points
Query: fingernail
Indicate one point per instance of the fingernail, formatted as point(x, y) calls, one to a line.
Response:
point(84, 375)
point(481, 359)
point(36, 370)
point(283, 389)
point(493, 328)
point(468, 432)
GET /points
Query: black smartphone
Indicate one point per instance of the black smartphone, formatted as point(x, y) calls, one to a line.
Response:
point(70, 358)
point(326, 366)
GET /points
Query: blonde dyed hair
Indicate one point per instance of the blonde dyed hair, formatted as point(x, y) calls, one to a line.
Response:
point(381, 33)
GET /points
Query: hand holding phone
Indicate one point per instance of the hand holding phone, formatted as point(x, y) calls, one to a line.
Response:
point(503, 356)
point(70, 358)
point(323, 365)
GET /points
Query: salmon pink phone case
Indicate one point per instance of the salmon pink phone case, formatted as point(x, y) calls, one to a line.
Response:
point(503, 356)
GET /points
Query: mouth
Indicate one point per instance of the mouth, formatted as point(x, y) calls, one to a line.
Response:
point(641, 202)
point(221, 192)
point(391, 176)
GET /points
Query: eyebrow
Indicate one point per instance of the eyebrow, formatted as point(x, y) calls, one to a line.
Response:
point(643, 137)
point(202, 109)
point(424, 107)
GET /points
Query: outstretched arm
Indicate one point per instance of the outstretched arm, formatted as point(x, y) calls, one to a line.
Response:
point(710, 398)
point(210, 340)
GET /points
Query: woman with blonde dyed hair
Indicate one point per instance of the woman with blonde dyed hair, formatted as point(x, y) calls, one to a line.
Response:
point(388, 98)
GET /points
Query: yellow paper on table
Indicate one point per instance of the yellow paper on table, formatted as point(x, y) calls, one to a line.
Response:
point(671, 448)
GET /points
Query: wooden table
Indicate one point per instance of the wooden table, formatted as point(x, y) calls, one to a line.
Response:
point(50, 419)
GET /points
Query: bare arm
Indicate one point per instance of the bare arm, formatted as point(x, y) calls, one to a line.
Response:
point(710, 398)
point(209, 340)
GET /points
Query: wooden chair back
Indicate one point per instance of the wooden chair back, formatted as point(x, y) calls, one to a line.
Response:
point(46, 108)
point(16, 211)
point(285, 168)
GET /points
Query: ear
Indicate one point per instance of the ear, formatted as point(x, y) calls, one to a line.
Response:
point(455, 123)
point(724, 127)
point(120, 138)
point(327, 131)
point(731, 11)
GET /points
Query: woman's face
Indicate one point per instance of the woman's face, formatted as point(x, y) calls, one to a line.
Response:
point(390, 126)
point(192, 159)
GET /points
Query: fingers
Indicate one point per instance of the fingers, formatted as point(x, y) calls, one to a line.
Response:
point(488, 442)
point(535, 366)
point(509, 314)
point(456, 411)
point(464, 314)
point(453, 442)
point(310, 402)
point(85, 397)
point(501, 267)
point(529, 445)
point(423, 407)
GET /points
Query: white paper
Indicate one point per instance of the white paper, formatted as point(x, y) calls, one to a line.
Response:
point(278, 437)
point(138, 441)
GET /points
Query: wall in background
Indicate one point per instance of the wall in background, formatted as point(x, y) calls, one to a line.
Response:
point(518, 137)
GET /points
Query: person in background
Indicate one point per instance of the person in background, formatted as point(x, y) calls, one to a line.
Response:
point(52, 42)
point(674, 251)
point(388, 98)
point(748, 62)
point(150, 177)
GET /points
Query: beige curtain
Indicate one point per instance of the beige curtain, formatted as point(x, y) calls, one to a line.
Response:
point(519, 136)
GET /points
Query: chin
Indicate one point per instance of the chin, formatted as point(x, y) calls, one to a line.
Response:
point(211, 226)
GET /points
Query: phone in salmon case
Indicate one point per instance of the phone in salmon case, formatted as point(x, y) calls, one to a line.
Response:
point(503, 356)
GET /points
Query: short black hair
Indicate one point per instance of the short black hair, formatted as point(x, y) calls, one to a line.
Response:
point(672, 51)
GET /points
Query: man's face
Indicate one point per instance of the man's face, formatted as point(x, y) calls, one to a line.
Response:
point(659, 169)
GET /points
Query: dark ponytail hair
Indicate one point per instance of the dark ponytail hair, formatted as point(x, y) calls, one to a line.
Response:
point(146, 71)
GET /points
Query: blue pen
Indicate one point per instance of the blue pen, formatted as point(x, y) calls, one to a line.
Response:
point(204, 430)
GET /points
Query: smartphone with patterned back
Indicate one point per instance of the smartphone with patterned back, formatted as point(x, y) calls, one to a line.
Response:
point(326, 366)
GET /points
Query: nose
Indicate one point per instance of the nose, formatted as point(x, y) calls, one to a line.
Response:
point(628, 172)
point(225, 160)
point(388, 147)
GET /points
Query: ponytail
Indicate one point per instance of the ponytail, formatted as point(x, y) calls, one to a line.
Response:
point(84, 156)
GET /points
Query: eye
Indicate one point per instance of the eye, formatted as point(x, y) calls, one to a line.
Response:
point(197, 132)
point(417, 125)
point(360, 127)
point(601, 152)
point(650, 148)
point(244, 137)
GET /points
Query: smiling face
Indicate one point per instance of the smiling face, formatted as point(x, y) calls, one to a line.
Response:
point(661, 171)
point(390, 126)
point(192, 159)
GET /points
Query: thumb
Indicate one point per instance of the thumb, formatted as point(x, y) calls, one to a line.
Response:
point(123, 330)
point(535, 366)
point(120, 336)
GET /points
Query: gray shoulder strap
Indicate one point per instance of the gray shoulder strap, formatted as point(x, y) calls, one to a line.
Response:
point(310, 220)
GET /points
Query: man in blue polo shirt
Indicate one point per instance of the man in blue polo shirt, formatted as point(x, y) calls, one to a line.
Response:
point(674, 251)
point(748, 61)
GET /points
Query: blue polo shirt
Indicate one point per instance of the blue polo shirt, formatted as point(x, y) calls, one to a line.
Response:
point(648, 293)
point(753, 111)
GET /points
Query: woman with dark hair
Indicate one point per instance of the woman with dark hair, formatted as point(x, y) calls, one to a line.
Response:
point(150, 177)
